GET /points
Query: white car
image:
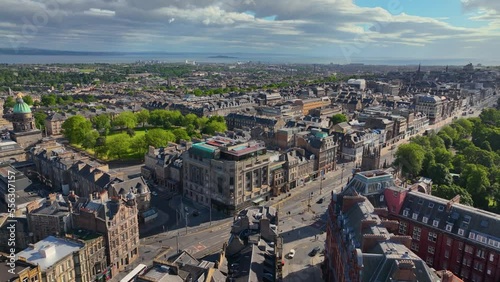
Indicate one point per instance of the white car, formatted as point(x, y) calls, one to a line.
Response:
point(154, 193)
point(291, 254)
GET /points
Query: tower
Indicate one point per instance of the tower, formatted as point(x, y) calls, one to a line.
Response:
point(371, 157)
point(25, 132)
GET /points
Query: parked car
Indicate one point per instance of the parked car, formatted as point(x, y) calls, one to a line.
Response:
point(154, 193)
point(196, 213)
point(314, 251)
point(320, 201)
point(291, 254)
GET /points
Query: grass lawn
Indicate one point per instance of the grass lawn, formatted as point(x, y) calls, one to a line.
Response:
point(87, 70)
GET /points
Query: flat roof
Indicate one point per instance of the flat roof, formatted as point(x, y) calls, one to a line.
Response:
point(54, 248)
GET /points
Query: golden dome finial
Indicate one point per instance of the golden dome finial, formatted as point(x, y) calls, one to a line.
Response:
point(19, 95)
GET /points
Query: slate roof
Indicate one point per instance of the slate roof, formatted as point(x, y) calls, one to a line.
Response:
point(473, 224)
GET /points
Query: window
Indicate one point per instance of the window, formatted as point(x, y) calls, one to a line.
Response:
point(403, 227)
point(480, 253)
point(432, 237)
point(416, 233)
point(415, 216)
point(435, 223)
point(414, 246)
point(441, 208)
point(446, 253)
point(461, 232)
point(448, 241)
point(425, 219)
point(469, 249)
point(406, 212)
point(429, 260)
point(492, 257)
point(449, 227)
point(431, 249)
point(431, 205)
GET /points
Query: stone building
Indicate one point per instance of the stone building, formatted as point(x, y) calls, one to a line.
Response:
point(164, 166)
point(322, 146)
point(116, 219)
point(25, 133)
point(55, 256)
point(53, 124)
point(227, 173)
point(52, 218)
point(21, 272)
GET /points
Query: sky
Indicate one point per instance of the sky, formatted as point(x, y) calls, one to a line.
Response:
point(417, 29)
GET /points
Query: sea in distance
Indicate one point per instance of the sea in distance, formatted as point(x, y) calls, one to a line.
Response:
point(231, 58)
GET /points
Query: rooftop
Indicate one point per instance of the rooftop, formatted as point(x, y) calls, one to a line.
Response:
point(49, 251)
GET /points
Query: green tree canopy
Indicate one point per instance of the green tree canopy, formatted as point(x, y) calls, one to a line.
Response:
point(440, 174)
point(159, 137)
point(410, 157)
point(9, 102)
point(142, 117)
point(28, 100)
point(102, 123)
point(118, 145)
point(448, 192)
point(338, 118)
point(125, 120)
point(40, 120)
point(75, 128)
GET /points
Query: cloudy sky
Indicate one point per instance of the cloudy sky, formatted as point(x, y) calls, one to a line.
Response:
point(329, 28)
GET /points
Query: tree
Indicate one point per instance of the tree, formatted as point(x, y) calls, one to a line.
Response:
point(40, 120)
point(90, 139)
point(48, 100)
point(443, 156)
point(142, 117)
point(125, 120)
point(75, 128)
point(181, 134)
point(338, 118)
point(490, 117)
point(9, 102)
point(440, 174)
point(410, 158)
point(159, 137)
point(139, 145)
point(214, 126)
point(28, 100)
point(102, 124)
point(448, 192)
point(446, 139)
point(118, 145)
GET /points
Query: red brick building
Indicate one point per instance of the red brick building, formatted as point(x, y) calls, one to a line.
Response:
point(448, 235)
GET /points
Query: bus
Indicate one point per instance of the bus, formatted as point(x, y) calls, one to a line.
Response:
point(139, 270)
point(428, 131)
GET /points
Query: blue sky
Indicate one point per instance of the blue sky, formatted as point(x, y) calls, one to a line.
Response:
point(342, 29)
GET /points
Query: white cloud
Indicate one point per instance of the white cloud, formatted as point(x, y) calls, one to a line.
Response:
point(319, 25)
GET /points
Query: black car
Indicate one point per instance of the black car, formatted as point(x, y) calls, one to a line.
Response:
point(320, 201)
point(314, 251)
point(196, 213)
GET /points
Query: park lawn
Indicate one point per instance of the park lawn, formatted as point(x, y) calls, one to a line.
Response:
point(87, 70)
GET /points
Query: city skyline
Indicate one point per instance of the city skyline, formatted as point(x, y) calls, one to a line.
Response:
point(344, 29)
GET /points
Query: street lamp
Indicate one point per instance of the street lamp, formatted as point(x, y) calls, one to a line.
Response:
point(342, 174)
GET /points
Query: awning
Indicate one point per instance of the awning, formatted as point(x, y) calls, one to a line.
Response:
point(258, 200)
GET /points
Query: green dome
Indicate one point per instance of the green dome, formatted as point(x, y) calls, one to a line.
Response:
point(21, 107)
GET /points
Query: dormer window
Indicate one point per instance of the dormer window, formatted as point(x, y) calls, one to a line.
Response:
point(449, 227)
point(441, 208)
point(461, 232)
point(435, 223)
point(415, 216)
point(406, 212)
point(425, 219)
